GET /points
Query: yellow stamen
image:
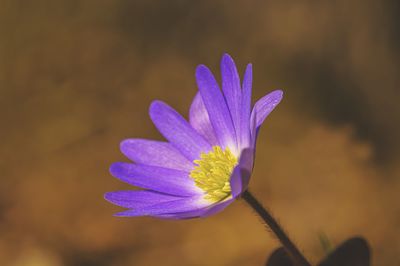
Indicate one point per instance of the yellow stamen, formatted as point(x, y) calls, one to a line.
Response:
point(212, 173)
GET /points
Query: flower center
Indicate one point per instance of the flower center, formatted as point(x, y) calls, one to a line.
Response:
point(213, 171)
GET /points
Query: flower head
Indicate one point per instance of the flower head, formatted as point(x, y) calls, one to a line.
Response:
point(207, 161)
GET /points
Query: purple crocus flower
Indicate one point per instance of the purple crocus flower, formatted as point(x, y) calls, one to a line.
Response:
point(207, 161)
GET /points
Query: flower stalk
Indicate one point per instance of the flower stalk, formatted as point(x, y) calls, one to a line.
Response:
point(295, 254)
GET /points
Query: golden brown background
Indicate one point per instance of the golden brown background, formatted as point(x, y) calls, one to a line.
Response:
point(76, 77)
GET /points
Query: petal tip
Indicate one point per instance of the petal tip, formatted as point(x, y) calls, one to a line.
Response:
point(226, 58)
point(108, 196)
point(128, 213)
point(202, 70)
point(120, 214)
point(154, 105)
point(276, 97)
point(156, 108)
point(115, 168)
point(124, 145)
point(278, 94)
point(205, 78)
point(111, 197)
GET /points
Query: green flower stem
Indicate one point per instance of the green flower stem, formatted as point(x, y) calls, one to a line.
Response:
point(291, 249)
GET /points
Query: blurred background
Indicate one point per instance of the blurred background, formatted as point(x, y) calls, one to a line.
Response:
point(77, 77)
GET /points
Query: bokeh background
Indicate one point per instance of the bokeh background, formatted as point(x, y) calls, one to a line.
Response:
point(76, 77)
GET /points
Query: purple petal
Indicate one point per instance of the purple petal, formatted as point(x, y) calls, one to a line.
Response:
point(265, 105)
point(217, 208)
point(165, 180)
point(246, 163)
point(245, 108)
point(217, 108)
point(253, 129)
point(181, 205)
point(183, 215)
point(178, 131)
point(231, 89)
point(200, 121)
point(236, 182)
point(241, 173)
point(204, 212)
point(155, 153)
point(138, 198)
point(246, 160)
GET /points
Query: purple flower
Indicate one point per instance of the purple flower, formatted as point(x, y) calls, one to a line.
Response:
point(206, 163)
